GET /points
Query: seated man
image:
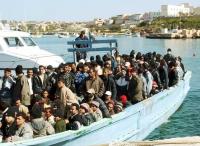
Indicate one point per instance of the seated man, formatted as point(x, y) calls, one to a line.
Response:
point(74, 122)
point(60, 125)
point(39, 125)
point(86, 115)
point(9, 126)
point(24, 130)
point(96, 112)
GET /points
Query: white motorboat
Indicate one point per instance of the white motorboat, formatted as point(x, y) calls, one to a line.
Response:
point(17, 47)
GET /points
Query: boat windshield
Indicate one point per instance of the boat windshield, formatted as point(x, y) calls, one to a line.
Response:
point(13, 41)
point(28, 41)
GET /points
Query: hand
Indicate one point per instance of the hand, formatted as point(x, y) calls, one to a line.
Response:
point(9, 139)
point(66, 121)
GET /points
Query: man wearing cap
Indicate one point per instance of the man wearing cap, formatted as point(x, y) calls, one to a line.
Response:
point(108, 97)
point(90, 98)
point(96, 112)
point(86, 115)
point(109, 83)
point(21, 89)
point(94, 82)
point(9, 126)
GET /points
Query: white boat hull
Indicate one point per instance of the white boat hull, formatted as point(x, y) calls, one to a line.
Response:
point(135, 123)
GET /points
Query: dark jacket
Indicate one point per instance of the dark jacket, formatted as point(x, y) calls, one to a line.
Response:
point(163, 72)
point(75, 122)
point(173, 77)
point(38, 86)
point(87, 119)
point(110, 85)
point(135, 89)
point(8, 130)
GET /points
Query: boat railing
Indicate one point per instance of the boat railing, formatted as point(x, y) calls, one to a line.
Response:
point(111, 42)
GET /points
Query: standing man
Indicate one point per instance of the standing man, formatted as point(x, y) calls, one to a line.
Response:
point(81, 55)
point(21, 89)
point(40, 81)
point(94, 82)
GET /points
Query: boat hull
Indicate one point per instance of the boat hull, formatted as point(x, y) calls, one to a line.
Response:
point(135, 123)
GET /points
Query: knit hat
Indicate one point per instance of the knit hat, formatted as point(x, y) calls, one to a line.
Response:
point(123, 99)
point(12, 111)
point(85, 106)
point(108, 93)
point(119, 105)
point(95, 103)
point(36, 111)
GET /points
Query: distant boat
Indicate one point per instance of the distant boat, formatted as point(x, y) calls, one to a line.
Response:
point(63, 36)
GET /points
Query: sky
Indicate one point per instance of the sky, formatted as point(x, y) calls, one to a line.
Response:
point(78, 10)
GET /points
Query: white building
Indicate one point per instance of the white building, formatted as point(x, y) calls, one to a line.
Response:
point(151, 15)
point(175, 10)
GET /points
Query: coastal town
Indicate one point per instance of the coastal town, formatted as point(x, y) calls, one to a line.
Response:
point(171, 21)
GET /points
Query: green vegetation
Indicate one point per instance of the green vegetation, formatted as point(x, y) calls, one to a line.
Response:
point(183, 22)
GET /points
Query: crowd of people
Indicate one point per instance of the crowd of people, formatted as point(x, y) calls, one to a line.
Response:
point(48, 100)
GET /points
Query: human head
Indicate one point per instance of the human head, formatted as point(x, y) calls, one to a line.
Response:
point(45, 94)
point(58, 114)
point(108, 96)
point(7, 72)
point(41, 69)
point(94, 106)
point(169, 51)
point(106, 72)
point(19, 69)
point(17, 102)
point(20, 119)
point(61, 83)
point(48, 112)
point(82, 34)
point(92, 73)
point(74, 108)
point(11, 114)
point(29, 72)
point(67, 68)
point(110, 106)
point(84, 108)
point(36, 111)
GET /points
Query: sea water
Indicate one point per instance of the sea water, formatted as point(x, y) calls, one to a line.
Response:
point(185, 122)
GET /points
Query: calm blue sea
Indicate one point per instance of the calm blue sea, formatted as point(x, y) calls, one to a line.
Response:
point(186, 121)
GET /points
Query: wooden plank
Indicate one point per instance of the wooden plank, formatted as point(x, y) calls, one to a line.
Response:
point(91, 49)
